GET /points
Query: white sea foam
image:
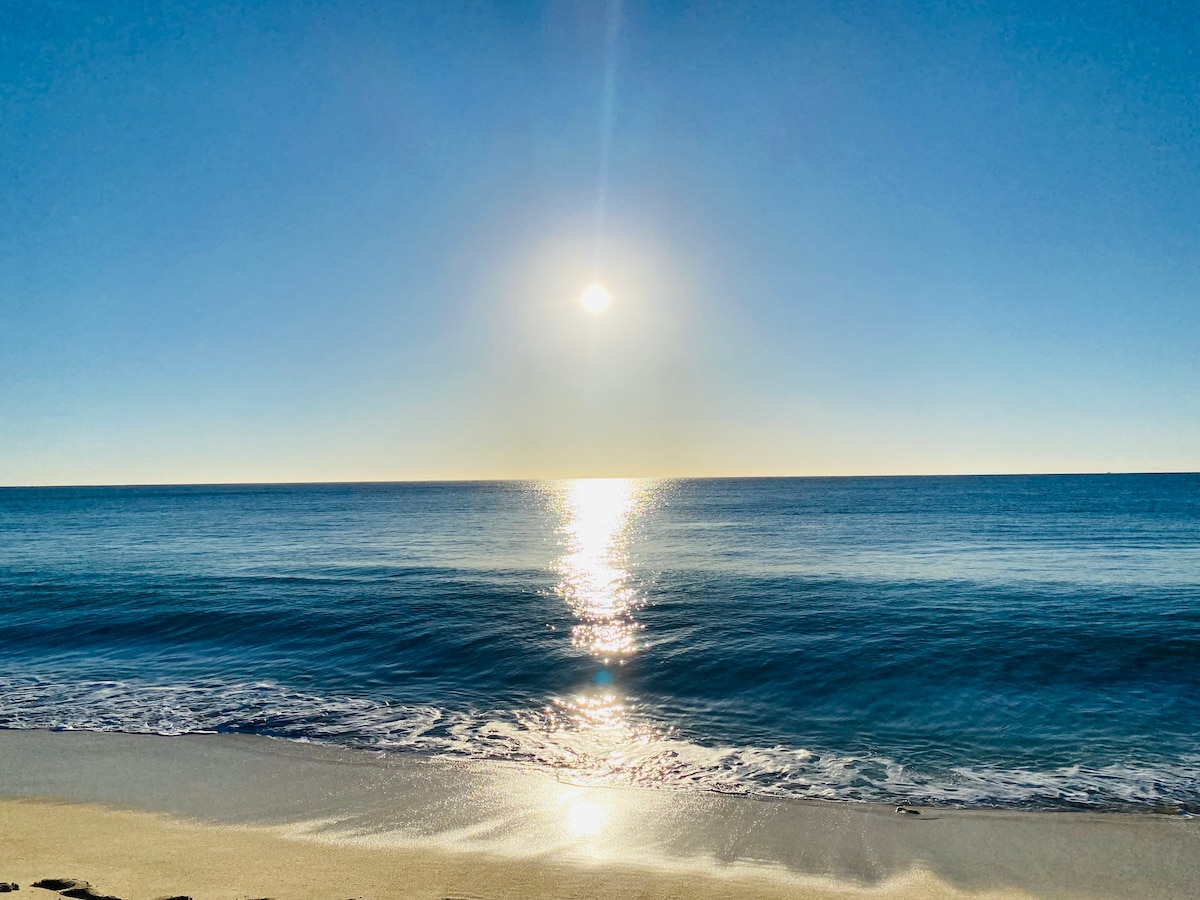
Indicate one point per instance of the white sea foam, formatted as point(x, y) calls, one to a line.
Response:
point(611, 749)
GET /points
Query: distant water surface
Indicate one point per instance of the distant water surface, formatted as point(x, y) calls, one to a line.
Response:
point(993, 641)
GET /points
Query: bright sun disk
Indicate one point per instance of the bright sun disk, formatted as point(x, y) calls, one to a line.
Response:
point(595, 299)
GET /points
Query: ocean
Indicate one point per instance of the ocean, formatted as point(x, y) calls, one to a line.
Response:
point(1021, 642)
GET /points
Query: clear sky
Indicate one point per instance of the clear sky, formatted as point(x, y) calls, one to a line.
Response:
point(290, 241)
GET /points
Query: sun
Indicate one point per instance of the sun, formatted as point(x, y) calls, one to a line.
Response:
point(595, 299)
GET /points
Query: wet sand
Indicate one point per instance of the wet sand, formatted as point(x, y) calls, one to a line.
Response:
point(219, 816)
point(137, 856)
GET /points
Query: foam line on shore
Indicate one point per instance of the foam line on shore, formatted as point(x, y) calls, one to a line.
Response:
point(640, 754)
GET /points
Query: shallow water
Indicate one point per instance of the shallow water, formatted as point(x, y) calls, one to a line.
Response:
point(1023, 641)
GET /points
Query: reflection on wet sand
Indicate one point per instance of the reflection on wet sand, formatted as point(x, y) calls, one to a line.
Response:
point(506, 831)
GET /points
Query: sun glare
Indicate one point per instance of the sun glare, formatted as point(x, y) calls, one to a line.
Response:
point(585, 819)
point(595, 299)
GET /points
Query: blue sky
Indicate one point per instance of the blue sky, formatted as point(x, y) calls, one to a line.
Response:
point(343, 241)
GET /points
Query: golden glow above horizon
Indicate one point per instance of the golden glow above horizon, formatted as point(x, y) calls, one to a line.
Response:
point(595, 299)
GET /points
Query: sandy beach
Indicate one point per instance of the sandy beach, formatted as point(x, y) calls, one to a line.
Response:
point(139, 856)
point(209, 816)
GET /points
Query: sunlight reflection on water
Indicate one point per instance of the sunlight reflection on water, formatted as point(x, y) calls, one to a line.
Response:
point(596, 520)
point(596, 516)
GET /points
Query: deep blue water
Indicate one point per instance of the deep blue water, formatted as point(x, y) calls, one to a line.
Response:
point(1011, 641)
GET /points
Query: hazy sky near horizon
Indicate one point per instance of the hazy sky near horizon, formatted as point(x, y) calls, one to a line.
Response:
point(345, 240)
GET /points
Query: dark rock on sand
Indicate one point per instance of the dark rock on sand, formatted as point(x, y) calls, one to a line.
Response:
point(87, 893)
point(61, 884)
point(7, 886)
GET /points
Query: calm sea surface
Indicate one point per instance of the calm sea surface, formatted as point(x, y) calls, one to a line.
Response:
point(998, 641)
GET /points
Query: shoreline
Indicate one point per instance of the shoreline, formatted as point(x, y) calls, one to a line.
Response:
point(150, 804)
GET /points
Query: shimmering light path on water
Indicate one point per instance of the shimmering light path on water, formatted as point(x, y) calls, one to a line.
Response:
point(996, 641)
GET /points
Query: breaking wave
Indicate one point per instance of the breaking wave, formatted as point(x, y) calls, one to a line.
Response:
point(554, 740)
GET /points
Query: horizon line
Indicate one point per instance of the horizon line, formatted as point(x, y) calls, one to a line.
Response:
point(513, 480)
